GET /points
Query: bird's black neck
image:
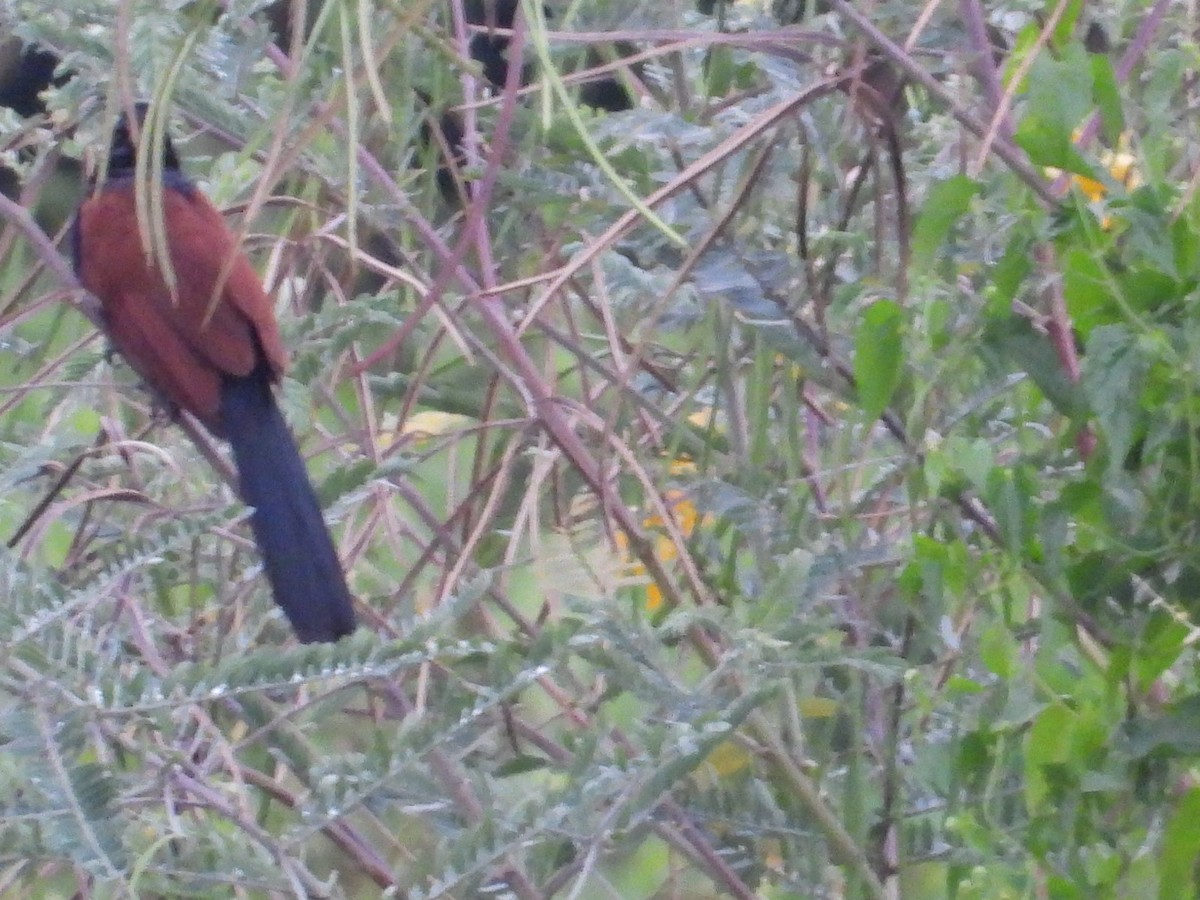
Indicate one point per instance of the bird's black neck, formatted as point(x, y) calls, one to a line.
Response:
point(122, 152)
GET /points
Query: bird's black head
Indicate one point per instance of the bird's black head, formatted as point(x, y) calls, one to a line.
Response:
point(122, 153)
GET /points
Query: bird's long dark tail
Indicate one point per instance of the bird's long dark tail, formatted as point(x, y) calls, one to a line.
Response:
point(297, 550)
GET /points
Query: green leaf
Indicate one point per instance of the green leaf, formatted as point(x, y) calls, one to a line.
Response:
point(1010, 495)
point(1186, 243)
point(1086, 289)
point(1149, 235)
point(1113, 374)
point(1107, 95)
point(1016, 341)
point(997, 650)
point(1173, 733)
point(1046, 747)
point(1059, 96)
point(946, 204)
point(1048, 145)
point(878, 356)
point(645, 872)
point(1064, 31)
point(1180, 849)
point(1163, 640)
point(1008, 274)
point(718, 71)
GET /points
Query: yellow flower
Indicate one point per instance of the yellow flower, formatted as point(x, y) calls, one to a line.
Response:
point(728, 758)
point(683, 511)
point(1121, 165)
point(1092, 189)
point(432, 423)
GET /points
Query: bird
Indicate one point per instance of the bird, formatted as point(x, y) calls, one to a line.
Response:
point(206, 341)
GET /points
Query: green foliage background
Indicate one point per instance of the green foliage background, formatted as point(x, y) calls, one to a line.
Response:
point(710, 538)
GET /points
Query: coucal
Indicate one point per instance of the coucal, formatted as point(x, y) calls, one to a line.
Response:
point(211, 346)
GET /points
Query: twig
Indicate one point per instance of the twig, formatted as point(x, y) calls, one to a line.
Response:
point(1014, 158)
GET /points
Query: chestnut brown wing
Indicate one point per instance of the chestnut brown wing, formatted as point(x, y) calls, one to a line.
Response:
point(180, 344)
